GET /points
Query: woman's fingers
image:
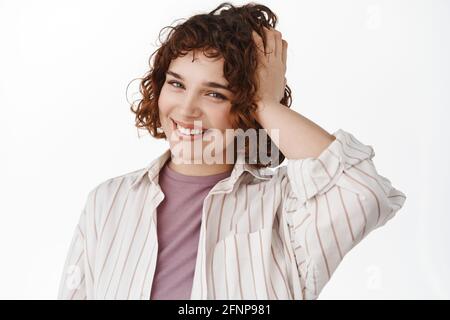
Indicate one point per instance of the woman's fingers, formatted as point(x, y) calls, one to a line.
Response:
point(258, 41)
point(284, 56)
point(272, 64)
point(270, 37)
point(271, 41)
point(275, 44)
point(278, 43)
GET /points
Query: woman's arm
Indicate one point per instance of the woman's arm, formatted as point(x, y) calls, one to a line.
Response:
point(77, 279)
point(293, 129)
point(73, 283)
point(332, 202)
point(333, 195)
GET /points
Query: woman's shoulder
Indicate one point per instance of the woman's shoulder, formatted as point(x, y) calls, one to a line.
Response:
point(110, 187)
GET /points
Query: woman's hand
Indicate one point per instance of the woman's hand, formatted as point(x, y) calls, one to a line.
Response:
point(271, 67)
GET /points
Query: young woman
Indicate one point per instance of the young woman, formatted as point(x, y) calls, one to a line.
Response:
point(186, 227)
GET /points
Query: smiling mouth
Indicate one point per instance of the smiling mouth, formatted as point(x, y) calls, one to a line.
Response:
point(175, 127)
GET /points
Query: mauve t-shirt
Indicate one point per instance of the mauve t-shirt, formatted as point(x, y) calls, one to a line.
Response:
point(178, 226)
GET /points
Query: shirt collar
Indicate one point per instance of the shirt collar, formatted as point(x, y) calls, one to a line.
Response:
point(153, 169)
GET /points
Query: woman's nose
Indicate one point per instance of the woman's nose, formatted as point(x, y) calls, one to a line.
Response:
point(189, 106)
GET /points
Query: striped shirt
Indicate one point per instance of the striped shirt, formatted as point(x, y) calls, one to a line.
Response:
point(178, 219)
point(264, 234)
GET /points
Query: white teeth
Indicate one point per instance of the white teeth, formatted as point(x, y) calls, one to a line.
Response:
point(188, 131)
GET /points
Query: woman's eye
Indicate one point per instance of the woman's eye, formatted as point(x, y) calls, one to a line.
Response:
point(217, 95)
point(174, 82)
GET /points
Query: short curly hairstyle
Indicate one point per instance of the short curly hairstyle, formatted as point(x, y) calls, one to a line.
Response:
point(227, 32)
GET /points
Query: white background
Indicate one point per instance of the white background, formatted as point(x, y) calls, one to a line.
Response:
point(378, 69)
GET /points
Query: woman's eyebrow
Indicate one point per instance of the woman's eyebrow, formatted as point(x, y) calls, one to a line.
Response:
point(207, 83)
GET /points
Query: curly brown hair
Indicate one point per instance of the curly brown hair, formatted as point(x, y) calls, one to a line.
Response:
point(226, 31)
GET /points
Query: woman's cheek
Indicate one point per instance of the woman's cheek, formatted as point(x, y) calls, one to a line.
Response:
point(222, 119)
point(164, 103)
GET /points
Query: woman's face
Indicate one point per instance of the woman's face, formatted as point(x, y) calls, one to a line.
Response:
point(195, 93)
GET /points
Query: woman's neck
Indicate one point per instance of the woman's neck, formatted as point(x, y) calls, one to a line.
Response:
point(203, 169)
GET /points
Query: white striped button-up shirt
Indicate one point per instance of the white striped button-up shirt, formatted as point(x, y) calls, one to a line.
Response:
point(265, 233)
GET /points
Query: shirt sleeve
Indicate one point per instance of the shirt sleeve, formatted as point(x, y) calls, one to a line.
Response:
point(332, 202)
point(72, 285)
point(76, 280)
